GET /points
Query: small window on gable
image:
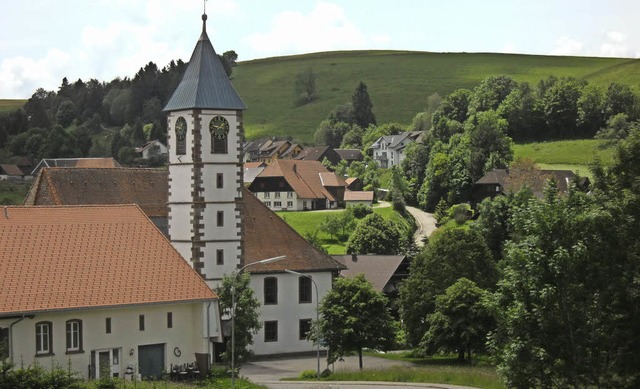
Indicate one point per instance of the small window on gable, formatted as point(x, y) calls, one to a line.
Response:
point(181, 136)
point(169, 319)
point(141, 322)
point(107, 325)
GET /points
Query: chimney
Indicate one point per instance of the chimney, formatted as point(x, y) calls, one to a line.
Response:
point(354, 257)
point(295, 168)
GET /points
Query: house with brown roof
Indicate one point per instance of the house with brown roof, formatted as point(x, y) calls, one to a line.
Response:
point(98, 289)
point(358, 197)
point(264, 235)
point(354, 183)
point(295, 185)
point(499, 182)
point(270, 150)
point(319, 154)
point(350, 155)
point(385, 272)
point(11, 172)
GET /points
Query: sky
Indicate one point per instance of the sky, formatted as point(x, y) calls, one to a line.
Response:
point(41, 42)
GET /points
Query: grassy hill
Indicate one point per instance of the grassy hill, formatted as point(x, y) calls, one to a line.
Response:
point(399, 82)
point(8, 105)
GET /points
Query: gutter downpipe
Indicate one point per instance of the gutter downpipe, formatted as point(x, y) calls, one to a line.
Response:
point(208, 337)
point(11, 337)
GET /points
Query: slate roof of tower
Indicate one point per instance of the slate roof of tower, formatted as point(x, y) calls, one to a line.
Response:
point(205, 84)
point(78, 257)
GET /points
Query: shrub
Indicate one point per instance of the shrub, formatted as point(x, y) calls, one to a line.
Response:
point(308, 374)
point(460, 213)
point(360, 210)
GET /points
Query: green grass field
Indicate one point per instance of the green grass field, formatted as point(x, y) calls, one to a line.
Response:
point(13, 193)
point(8, 105)
point(305, 222)
point(399, 82)
point(574, 155)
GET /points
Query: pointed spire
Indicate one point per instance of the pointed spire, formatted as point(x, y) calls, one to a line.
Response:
point(205, 83)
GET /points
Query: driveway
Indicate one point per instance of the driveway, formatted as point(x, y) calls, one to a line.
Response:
point(426, 224)
point(269, 372)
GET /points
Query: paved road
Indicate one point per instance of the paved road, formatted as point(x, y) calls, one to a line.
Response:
point(426, 224)
point(269, 373)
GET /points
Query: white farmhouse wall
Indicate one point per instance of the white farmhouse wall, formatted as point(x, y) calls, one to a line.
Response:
point(288, 312)
point(188, 334)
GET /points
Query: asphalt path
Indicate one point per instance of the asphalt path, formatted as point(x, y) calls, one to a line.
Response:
point(426, 223)
point(269, 372)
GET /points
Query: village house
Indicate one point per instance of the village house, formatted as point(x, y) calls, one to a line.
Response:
point(100, 289)
point(298, 186)
point(319, 154)
point(153, 148)
point(388, 150)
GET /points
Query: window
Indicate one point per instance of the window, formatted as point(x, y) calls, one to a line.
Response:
point(289, 195)
point(270, 291)
point(169, 319)
point(181, 136)
point(74, 335)
point(219, 257)
point(219, 180)
point(44, 342)
point(277, 203)
point(141, 322)
point(220, 218)
point(304, 328)
point(289, 204)
point(267, 203)
point(4, 343)
point(304, 290)
point(277, 195)
point(271, 331)
point(107, 325)
point(267, 195)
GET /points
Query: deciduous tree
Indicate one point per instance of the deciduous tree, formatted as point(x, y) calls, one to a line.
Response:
point(362, 106)
point(354, 316)
point(375, 235)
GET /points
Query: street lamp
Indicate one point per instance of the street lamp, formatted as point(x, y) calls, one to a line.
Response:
point(233, 312)
point(317, 315)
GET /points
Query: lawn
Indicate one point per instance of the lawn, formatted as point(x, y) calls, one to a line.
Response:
point(436, 370)
point(305, 222)
point(13, 193)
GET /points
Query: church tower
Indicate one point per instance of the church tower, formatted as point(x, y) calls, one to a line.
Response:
point(205, 136)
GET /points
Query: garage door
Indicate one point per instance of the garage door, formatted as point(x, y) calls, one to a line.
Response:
point(151, 361)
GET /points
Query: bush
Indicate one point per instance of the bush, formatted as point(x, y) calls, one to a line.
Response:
point(360, 210)
point(308, 374)
point(35, 376)
point(460, 213)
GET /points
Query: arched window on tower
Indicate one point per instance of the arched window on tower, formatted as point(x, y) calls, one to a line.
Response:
point(219, 129)
point(181, 136)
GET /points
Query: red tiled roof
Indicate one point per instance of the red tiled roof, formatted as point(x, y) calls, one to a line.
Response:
point(304, 177)
point(77, 186)
point(266, 235)
point(74, 257)
point(350, 195)
point(251, 165)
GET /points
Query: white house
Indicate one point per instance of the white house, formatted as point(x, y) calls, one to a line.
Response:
point(298, 185)
point(101, 288)
point(152, 148)
point(388, 150)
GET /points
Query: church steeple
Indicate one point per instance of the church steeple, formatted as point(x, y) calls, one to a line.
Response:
point(205, 136)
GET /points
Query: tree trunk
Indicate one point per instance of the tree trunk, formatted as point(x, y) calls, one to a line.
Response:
point(360, 357)
point(461, 354)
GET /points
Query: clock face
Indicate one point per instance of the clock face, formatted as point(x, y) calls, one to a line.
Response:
point(181, 128)
point(219, 127)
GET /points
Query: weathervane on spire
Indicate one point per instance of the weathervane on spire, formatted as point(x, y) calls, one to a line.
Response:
point(204, 8)
point(204, 16)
